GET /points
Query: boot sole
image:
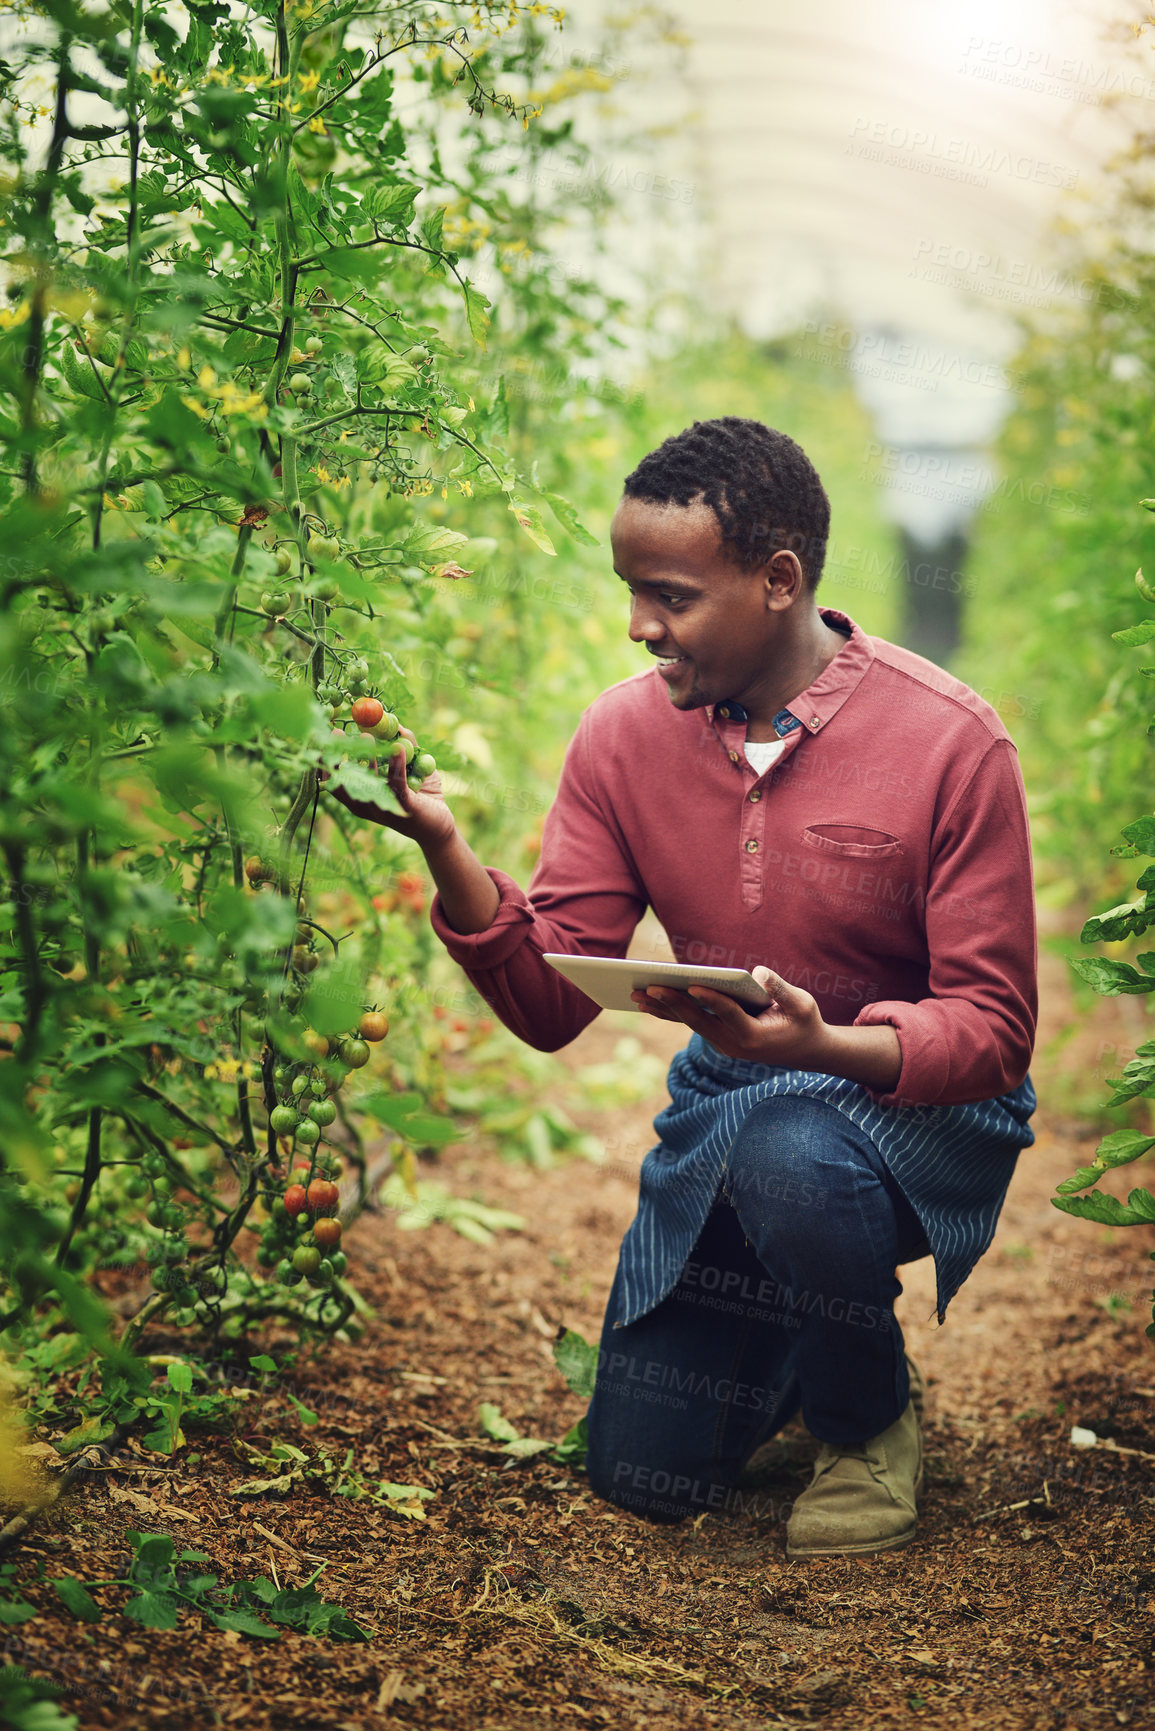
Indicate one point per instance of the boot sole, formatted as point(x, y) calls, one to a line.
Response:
point(796, 1555)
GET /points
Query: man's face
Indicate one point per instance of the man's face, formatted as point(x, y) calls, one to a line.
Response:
point(713, 624)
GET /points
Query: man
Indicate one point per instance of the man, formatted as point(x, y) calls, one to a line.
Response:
point(847, 820)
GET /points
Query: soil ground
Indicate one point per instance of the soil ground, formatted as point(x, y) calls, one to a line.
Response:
point(1027, 1599)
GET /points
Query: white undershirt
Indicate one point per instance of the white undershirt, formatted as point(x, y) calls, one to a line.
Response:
point(761, 754)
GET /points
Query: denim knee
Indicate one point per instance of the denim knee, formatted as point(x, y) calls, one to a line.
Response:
point(790, 1152)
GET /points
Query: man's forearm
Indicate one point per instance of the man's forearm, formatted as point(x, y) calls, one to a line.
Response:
point(870, 1055)
point(469, 895)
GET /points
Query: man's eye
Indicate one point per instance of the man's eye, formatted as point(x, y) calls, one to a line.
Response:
point(670, 600)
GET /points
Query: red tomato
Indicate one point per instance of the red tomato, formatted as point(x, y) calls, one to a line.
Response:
point(367, 711)
point(327, 1234)
point(295, 1198)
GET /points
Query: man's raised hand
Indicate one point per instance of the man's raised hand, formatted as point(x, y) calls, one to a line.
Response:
point(424, 816)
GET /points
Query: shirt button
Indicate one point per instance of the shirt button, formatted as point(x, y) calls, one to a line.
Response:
point(814, 721)
point(751, 846)
point(733, 756)
point(723, 712)
point(756, 796)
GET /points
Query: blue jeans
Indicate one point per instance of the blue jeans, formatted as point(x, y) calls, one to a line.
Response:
point(786, 1304)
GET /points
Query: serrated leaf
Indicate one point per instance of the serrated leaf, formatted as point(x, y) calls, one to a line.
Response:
point(78, 1600)
point(1122, 1146)
point(577, 1360)
point(1105, 1210)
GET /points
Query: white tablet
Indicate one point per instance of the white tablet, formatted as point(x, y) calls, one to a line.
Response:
point(609, 980)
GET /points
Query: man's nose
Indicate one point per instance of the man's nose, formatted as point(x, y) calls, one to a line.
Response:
point(644, 628)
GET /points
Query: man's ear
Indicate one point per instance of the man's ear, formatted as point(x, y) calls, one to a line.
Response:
point(784, 579)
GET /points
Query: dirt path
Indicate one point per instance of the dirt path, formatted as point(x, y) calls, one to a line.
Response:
point(521, 1601)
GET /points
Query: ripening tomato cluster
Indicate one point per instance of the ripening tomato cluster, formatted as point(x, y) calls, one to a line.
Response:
point(302, 1239)
point(374, 721)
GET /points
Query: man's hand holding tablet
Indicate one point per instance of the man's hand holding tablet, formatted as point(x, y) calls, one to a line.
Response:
point(756, 1017)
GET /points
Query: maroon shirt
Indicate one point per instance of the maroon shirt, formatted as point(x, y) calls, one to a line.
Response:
point(883, 863)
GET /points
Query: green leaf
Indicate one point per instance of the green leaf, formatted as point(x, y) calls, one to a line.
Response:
point(180, 1376)
point(577, 1360)
point(1135, 634)
point(304, 1413)
point(477, 309)
point(16, 1611)
point(1123, 1146)
point(431, 226)
point(334, 996)
point(1141, 834)
point(405, 1113)
point(393, 203)
point(530, 520)
point(153, 1610)
point(92, 1430)
point(574, 1445)
point(494, 1424)
point(1113, 979)
point(263, 1363)
point(245, 1623)
point(78, 1600)
point(1108, 1210)
point(567, 516)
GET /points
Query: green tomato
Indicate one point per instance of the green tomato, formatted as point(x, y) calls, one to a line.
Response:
point(276, 602)
point(322, 1111)
point(355, 1053)
point(155, 1213)
point(357, 667)
point(313, 345)
point(287, 1275)
point(284, 563)
point(325, 588)
point(308, 1133)
point(280, 1074)
point(299, 1084)
point(300, 384)
point(319, 1091)
point(424, 764)
point(387, 728)
point(284, 1120)
point(340, 1262)
point(324, 547)
point(306, 1259)
point(408, 747)
point(325, 1271)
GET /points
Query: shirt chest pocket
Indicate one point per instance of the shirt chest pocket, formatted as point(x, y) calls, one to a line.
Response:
point(851, 841)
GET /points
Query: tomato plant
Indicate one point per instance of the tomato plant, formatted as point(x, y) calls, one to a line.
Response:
point(241, 358)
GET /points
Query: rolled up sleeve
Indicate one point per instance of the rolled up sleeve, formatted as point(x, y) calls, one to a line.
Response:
point(585, 898)
point(971, 1039)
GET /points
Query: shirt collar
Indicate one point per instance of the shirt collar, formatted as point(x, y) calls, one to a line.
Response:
point(822, 700)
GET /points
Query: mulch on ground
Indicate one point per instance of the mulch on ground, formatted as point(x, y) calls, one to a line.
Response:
point(1027, 1599)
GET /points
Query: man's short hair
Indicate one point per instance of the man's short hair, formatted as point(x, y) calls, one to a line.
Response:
point(760, 485)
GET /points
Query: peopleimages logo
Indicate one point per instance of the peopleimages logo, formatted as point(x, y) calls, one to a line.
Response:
point(928, 152)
